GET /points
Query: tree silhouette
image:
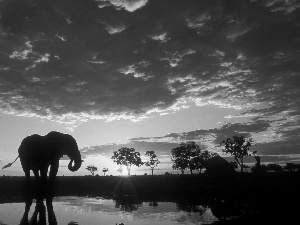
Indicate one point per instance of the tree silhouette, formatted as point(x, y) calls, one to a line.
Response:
point(292, 167)
point(200, 161)
point(274, 167)
point(92, 169)
point(239, 147)
point(104, 170)
point(183, 156)
point(127, 157)
point(153, 161)
point(120, 169)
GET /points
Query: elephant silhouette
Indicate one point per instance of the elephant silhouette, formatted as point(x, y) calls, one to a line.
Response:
point(38, 153)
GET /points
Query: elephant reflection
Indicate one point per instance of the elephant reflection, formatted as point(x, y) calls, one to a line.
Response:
point(38, 153)
point(39, 214)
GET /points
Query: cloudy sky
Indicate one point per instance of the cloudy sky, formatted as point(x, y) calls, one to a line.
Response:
point(150, 74)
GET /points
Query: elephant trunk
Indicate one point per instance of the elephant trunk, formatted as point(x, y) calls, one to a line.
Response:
point(77, 162)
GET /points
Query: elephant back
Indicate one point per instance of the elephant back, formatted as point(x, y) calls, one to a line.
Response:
point(34, 141)
point(32, 150)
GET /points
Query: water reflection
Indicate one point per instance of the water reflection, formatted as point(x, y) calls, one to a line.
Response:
point(39, 214)
point(225, 209)
point(191, 206)
point(133, 210)
point(129, 210)
point(128, 204)
point(154, 204)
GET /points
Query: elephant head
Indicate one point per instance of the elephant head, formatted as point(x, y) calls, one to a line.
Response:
point(65, 144)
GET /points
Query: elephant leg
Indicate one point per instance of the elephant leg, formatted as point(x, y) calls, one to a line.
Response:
point(34, 218)
point(43, 179)
point(51, 215)
point(27, 175)
point(36, 175)
point(53, 171)
point(28, 203)
point(52, 176)
point(27, 184)
point(42, 212)
point(37, 183)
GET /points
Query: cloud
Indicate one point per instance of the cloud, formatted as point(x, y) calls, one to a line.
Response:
point(288, 6)
point(109, 60)
point(211, 138)
point(160, 37)
point(128, 5)
point(115, 29)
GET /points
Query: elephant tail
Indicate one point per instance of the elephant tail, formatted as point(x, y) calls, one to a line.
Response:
point(9, 164)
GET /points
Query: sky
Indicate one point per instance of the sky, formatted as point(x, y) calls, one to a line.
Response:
point(150, 74)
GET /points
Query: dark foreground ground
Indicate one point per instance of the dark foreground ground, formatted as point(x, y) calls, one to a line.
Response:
point(271, 198)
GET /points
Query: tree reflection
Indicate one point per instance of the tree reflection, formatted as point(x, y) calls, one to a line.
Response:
point(154, 204)
point(128, 204)
point(225, 209)
point(191, 206)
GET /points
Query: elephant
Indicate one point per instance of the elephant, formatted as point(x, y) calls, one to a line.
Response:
point(38, 153)
point(218, 166)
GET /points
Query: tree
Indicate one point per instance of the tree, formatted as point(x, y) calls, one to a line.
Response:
point(259, 169)
point(92, 169)
point(274, 167)
point(239, 147)
point(127, 157)
point(104, 170)
point(153, 161)
point(183, 156)
point(120, 169)
point(201, 160)
point(292, 167)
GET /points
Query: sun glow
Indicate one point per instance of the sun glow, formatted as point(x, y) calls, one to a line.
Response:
point(124, 172)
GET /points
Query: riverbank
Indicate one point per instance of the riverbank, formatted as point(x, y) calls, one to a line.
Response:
point(242, 185)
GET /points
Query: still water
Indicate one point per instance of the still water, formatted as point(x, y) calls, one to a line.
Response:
point(94, 211)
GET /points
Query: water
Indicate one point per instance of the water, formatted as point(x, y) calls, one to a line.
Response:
point(94, 211)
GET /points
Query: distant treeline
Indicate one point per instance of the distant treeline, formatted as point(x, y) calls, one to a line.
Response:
point(189, 156)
